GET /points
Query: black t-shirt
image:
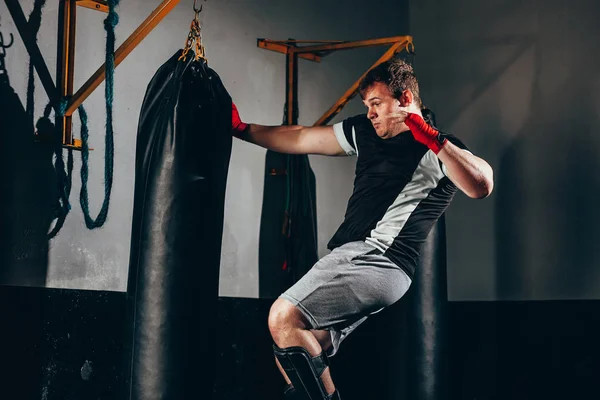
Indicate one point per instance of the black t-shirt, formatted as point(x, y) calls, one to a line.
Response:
point(400, 190)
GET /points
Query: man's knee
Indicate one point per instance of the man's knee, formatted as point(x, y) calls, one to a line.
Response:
point(285, 316)
point(324, 338)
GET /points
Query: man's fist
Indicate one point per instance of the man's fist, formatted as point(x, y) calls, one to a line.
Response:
point(237, 126)
point(424, 133)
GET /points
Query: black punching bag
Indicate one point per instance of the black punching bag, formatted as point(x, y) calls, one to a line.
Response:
point(182, 161)
point(427, 365)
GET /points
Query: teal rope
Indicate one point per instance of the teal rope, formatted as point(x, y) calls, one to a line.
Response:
point(63, 179)
point(109, 24)
point(62, 107)
point(63, 206)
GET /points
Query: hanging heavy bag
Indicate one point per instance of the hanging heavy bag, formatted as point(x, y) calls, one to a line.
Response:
point(428, 305)
point(182, 161)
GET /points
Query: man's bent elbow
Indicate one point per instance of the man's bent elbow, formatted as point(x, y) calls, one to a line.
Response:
point(483, 189)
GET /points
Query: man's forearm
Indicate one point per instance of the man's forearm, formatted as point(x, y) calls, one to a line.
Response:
point(281, 138)
point(470, 173)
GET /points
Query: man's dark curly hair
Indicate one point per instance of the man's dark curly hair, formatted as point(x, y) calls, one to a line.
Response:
point(397, 74)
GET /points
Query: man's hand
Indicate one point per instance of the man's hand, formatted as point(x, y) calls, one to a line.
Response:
point(424, 133)
point(398, 117)
point(238, 127)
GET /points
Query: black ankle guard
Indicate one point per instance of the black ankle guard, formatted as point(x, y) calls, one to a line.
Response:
point(304, 371)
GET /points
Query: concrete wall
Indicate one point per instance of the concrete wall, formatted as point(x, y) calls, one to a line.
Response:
point(98, 260)
point(518, 81)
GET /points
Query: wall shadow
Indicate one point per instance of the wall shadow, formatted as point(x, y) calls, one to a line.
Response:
point(548, 181)
point(28, 187)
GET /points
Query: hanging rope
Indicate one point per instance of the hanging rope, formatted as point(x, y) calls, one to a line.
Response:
point(110, 23)
point(46, 128)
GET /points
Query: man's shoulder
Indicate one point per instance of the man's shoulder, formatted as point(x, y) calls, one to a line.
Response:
point(359, 122)
point(359, 119)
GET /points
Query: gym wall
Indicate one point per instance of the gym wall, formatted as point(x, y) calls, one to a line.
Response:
point(519, 82)
point(98, 260)
point(515, 80)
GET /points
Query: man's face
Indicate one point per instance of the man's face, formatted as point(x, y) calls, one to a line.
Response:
point(385, 112)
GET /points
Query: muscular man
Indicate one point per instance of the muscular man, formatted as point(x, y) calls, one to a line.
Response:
point(407, 173)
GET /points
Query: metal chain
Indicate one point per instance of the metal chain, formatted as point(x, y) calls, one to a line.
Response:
point(194, 39)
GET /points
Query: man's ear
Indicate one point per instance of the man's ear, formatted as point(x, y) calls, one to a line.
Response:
point(406, 98)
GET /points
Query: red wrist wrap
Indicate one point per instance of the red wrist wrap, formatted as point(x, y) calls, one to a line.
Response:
point(424, 133)
point(237, 126)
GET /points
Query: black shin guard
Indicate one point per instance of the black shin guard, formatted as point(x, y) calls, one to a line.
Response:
point(304, 371)
point(290, 393)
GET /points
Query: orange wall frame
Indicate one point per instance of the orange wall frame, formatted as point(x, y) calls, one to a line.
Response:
point(314, 52)
point(66, 55)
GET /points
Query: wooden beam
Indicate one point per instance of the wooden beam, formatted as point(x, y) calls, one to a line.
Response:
point(65, 62)
point(99, 5)
point(353, 45)
point(292, 88)
point(351, 92)
point(123, 51)
point(398, 43)
point(284, 48)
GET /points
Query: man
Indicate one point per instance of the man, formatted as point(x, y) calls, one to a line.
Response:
point(406, 175)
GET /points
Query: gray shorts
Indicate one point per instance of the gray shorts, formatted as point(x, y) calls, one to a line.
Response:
point(345, 287)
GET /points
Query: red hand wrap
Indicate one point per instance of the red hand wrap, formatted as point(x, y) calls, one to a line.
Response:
point(237, 126)
point(424, 133)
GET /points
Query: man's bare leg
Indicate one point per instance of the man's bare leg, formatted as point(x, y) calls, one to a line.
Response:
point(323, 337)
point(290, 328)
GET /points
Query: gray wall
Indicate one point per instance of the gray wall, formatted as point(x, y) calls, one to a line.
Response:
point(519, 82)
point(98, 260)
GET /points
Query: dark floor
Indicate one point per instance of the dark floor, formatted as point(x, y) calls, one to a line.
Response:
point(68, 344)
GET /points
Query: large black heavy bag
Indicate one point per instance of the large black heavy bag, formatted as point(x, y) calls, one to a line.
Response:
point(427, 321)
point(288, 246)
point(428, 308)
point(182, 161)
